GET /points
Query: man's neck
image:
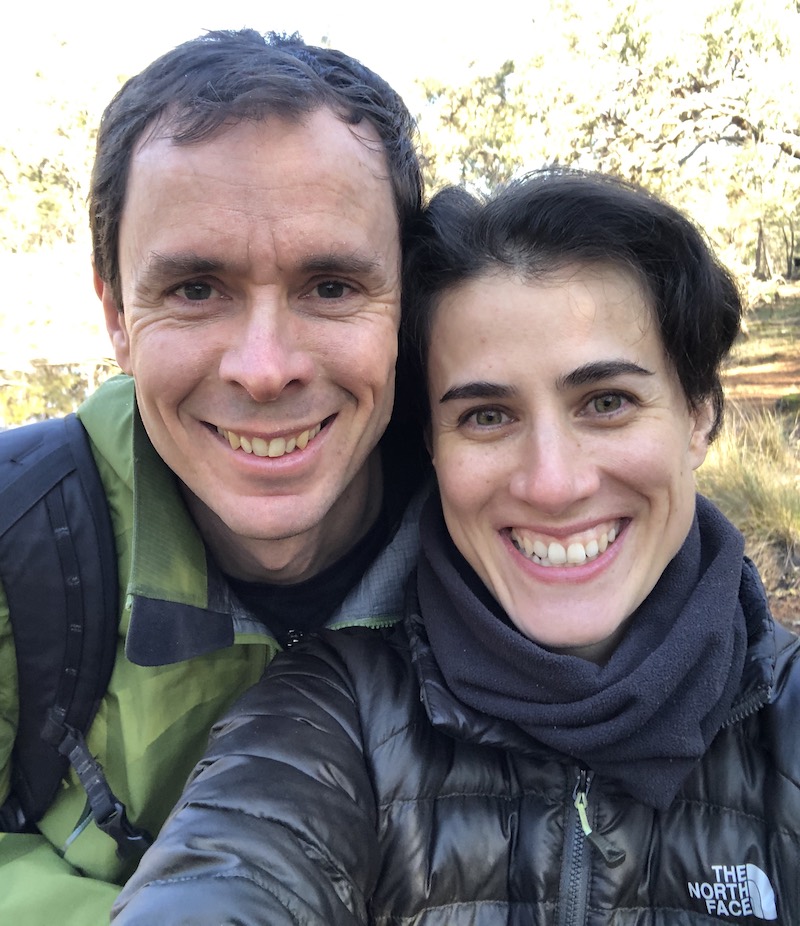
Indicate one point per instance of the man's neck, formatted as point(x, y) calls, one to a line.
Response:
point(293, 559)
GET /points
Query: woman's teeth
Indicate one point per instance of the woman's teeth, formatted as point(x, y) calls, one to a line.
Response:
point(553, 553)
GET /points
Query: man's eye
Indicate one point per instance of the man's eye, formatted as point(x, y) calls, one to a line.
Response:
point(331, 289)
point(606, 404)
point(196, 292)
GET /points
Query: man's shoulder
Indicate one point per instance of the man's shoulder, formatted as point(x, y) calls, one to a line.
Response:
point(108, 416)
point(98, 438)
point(54, 518)
point(36, 457)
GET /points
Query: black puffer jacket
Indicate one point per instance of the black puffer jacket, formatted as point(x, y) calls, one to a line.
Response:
point(408, 802)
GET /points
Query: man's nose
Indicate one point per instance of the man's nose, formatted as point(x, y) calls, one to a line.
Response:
point(269, 350)
point(553, 469)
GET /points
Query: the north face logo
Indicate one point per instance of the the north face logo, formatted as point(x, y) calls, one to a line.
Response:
point(737, 890)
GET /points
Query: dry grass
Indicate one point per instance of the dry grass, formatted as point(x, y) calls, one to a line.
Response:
point(753, 474)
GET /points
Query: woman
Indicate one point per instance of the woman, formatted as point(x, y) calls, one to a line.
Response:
point(588, 716)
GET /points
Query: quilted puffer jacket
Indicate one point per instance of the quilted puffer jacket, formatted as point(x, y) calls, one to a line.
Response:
point(349, 787)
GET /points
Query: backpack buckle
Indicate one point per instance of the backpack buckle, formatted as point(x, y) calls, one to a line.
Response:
point(132, 842)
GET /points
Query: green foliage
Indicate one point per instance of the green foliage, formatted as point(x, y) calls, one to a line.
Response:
point(480, 123)
point(44, 173)
point(48, 390)
point(702, 108)
point(43, 194)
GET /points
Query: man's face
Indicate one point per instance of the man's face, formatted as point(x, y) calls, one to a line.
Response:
point(260, 285)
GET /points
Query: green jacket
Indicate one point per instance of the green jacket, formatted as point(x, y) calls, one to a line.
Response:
point(186, 650)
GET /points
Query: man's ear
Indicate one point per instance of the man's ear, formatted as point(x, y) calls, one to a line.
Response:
point(703, 418)
point(115, 323)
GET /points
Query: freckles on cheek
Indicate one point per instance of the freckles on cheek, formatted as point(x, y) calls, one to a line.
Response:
point(459, 481)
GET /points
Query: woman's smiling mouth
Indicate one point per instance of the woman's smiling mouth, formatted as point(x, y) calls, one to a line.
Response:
point(575, 552)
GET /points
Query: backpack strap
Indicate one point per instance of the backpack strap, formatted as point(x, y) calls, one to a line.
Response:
point(59, 572)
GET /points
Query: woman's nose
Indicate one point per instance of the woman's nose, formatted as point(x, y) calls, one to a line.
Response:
point(554, 470)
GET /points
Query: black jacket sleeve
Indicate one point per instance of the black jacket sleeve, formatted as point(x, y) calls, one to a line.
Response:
point(278, 822)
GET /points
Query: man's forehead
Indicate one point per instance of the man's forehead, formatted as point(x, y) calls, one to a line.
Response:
point(182, 129)
point(310, 196)
point(270, 168)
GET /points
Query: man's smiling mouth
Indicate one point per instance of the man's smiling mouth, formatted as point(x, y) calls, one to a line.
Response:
point(277, 447)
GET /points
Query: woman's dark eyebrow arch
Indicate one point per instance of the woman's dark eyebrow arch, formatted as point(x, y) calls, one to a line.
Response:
point(479, 390)
point(600, 370)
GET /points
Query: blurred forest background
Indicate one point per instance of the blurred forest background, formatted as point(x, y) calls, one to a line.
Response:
point(699, 103)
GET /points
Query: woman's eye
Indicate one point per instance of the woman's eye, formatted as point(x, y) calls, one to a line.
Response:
point(196, 292)
point(488, 417)
point(606, 404)
point(331, 289)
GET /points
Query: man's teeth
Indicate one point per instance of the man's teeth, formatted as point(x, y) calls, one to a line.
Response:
point(557, 554)
point(276, 447)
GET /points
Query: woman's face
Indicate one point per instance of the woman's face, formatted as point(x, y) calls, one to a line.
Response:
point(564, 448)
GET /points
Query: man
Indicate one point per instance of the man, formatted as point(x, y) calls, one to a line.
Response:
point(248, 205)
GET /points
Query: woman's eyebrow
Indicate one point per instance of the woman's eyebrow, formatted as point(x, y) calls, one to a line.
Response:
point(600, 370)
point(581, 376)
point(478, 390)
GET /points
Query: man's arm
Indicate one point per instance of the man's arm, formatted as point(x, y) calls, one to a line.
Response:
point(278, 824)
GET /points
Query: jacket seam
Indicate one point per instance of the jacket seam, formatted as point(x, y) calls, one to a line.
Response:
point(224, 876)
point(439, 796)
point(735, 811)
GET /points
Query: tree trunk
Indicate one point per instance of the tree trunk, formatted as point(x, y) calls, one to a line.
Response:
point(762, 271)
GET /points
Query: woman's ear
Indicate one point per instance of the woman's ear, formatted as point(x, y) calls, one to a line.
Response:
point(702, 417)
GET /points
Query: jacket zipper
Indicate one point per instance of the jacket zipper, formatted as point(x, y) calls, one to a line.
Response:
point(750, 705)
point(574, 888)
point(576, 864)
point(612, 856)
point(373, 623)
point(295, 636)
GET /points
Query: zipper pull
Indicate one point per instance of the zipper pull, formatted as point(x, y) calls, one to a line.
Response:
point(612, 856)
point(292, 637)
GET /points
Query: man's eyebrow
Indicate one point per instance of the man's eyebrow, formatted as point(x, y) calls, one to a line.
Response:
point(166, 266)
point(478, 390)
point(169, 266)
point(600, 370)
point(355, 264)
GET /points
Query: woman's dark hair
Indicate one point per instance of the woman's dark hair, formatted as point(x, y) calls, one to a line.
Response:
point(223, 78)
point(541, 223)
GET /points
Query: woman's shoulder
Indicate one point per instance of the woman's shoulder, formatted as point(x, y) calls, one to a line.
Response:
point(783, 710)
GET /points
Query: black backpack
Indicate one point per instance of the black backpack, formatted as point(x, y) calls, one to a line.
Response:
point(58, 569)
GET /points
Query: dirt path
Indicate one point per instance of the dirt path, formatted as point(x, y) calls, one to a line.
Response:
point(764, 383)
